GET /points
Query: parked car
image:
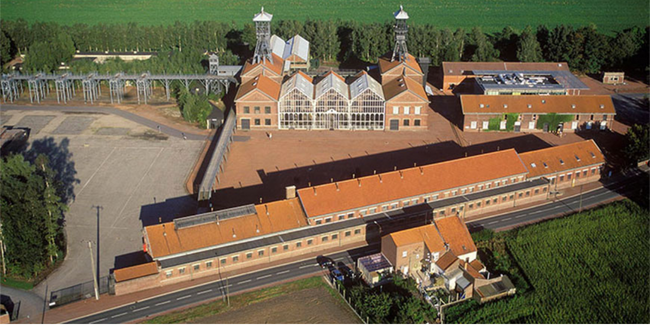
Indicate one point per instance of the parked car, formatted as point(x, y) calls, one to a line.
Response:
point(347, 272)
point(336, 274)
point(324, 261)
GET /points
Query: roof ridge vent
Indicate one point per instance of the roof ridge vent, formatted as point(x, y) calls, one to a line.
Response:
point(267, 209)
point(401, 175)
point(530, 106)
point(573, 106)
point(545, 165)
point(421, 171)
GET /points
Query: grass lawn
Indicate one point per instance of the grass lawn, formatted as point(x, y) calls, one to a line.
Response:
point(9, 282)
point(238, 302)
point(492, 15)
point(590, 267)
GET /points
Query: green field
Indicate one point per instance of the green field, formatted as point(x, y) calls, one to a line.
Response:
point(591, 267)
point(492, 15)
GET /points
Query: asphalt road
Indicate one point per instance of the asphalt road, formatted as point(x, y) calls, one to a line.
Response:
point(214, 290)
point(562, 206)
point(109, 110)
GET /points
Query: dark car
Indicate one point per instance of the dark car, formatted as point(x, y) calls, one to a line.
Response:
point(324, 261)
point(347, 272)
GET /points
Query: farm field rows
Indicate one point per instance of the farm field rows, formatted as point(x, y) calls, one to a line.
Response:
point(590, 267)
point(492, 15)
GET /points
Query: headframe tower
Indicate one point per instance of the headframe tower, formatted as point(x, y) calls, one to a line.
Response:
point(263, 31)
point(401, 31)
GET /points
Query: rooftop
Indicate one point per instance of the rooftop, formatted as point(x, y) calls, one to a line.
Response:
point(396, 185)
point(300, 81)
point(261, 83)
point(275, 67)
point(332, 80)
point(535, 104)
point(225, 226)
point(374, 262)
point(562, 158)
point(445, 231)
point(470, 68)
point(528, 79)
point(134, 272)
point(262, 16)
point(362, 82)
point(402, 84)
point(386, 65)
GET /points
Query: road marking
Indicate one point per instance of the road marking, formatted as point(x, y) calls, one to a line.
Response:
point(340, 258)
point(183, 297)
point(489, 223)
point(118, 315)
point(523, 215)
point(283, 272)
point(93, 175)
point(202, 292)
point(244, 281)
point(163, 303)
point(264, 276)
point(304, 266)
point(97, 321)
point(506, 219)
point(140, 309)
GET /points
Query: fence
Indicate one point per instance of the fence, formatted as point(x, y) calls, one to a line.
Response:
point(340, 289)
point(79, 292)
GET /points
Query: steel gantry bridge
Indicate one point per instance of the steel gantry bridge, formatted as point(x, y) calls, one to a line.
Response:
point(67, 85)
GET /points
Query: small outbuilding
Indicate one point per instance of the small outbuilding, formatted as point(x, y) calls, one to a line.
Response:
point(613, 78)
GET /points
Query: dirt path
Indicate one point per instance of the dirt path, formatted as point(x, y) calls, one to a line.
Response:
point(309, 306)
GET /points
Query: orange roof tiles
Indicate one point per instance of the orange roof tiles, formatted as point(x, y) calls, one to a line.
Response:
point(561, 158)
point(385, 64)
point(534, 104)
point(427, 234)
point(402, 84)
point(261, 83)
point(282, 215)
point(134, 272)
point(276, 66)
point(392, 186)
point(466, 68)
point(446, 260)
point(455, 233)
point(471, 270)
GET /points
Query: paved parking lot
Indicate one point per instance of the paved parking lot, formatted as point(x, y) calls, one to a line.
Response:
point(120, 167)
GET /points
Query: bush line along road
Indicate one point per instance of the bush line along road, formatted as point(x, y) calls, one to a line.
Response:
point(256, 279)
point(442, 13)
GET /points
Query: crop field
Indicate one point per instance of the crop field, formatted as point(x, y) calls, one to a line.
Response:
point(591, 267)
point(492, 15)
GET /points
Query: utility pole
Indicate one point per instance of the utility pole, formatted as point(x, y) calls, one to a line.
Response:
point(92, 264)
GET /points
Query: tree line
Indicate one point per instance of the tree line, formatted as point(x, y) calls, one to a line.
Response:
point(585, 48)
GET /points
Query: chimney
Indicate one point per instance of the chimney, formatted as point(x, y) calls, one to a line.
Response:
point(401, 175)
point(421, 171)
point(260, 200)
point(267, 209)
point(290, 191)
point(337, 186)
point(359, 181)
point(380, 180)
point(465, 266)
point(315, 191)
point(424, 64)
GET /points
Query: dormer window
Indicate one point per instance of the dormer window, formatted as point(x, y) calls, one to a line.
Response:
point(573, 106)
point(577, 158)
point(543, 101)
point(561, 162)
point(533, 165)
point(602, 106)
point(592, 155)
point(505, 105)
point(530, 106)
point(545, 165)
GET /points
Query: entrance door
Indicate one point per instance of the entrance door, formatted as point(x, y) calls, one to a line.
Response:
point(545, 127)
point(246, 124)
point(517, 126)
point(394, 125)
point(331, 121)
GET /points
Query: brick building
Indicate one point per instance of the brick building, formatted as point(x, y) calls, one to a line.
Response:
point(256, 103)
point(531, 113)
point(337, 214)
point(407, 105)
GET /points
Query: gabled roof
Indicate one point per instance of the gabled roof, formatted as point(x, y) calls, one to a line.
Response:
point(446, 261)
point(274, 67)
point(386, 65)
point(535, 104)
point(262, 84)
point(277, 46)
point(467, 68)
point(136, 271)
point(297, 46)
point(402, 84)
point(331, 80)
point(164, 239)
point(449, 230)
point(455, 233)
point(396, 185)
point(561, 158)
point(299, 81)
point(363, 82)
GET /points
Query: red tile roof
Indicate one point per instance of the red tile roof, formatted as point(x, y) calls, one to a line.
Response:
point(275, 67)
point(261, 83)
point(134, 272)
point(449, 230)
point(402, 84)
point(282, 215)
point(396, 185)
point(455, 233)
point(534, 104)
point(385, 64)
point(561, 158)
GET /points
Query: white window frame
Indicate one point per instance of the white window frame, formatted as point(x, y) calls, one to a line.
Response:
point(169, 273)
point(407, 110)
point(395, 110)
point(417, 110)
point(404, 253)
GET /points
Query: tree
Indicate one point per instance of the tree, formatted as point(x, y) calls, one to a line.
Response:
point(481, 49)
point(31, 214)
point(7, 51)
point(528, 48)
point(637, 139)
point(506, 43)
